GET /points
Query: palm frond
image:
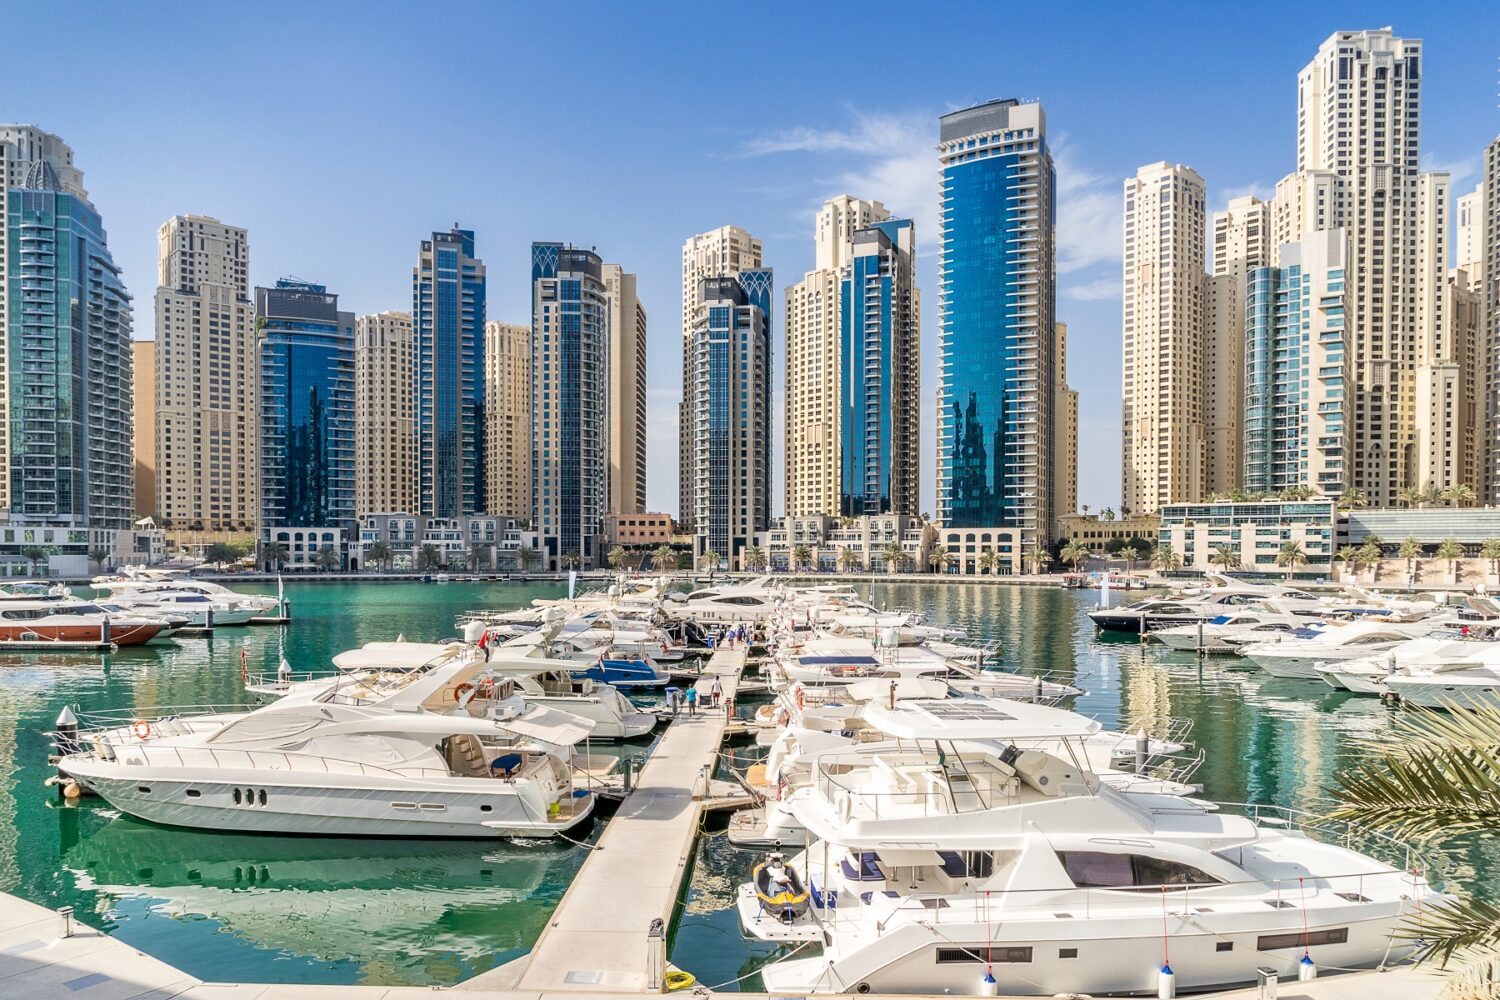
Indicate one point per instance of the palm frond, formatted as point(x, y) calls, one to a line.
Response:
point(1424, 794)
point(1477, 977)
point(1457, 926)
point(1418, 729)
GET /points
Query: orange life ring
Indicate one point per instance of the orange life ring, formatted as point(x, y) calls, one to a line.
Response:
point(799, 698)
point(783, 717)
point(142, 729)
point(461, 690)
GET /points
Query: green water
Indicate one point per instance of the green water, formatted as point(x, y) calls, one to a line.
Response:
point(262, 909)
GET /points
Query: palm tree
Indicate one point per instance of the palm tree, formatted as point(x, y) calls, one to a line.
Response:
point(709, 560)
point(1075, 554)
point(938, 558)
point(1226, 557)
point(1490, 549)
point(1165, 559)
point(1459, 495)
point(1352, 499)
point(849, 560)
point(895, 556)
point(1349, 556)
point(219, 553)
point(274, 554)
point(379, 553)
point(1037, 559)
point(98, 556)
point(1291, 556)
point(988, 560)
point(1430, 779)
point(617, 557)
point(570, 559)
point(1431, 494)
point(1410, 550)
point(479, 553)
point(528, 557)
point(1451, 551)
point(327, 559)
point(801, 557)
point(664, 557)
point(755, 559)
point(1409, 496)
point(428, 558)
point(34, 553)
point(1370, 554)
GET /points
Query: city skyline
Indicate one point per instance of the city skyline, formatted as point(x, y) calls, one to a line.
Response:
point(767, 172)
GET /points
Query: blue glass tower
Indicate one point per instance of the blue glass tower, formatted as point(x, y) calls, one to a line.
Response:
point(1297, 415)
point(996, 309)
point(306, 407)
point(731, 410)
point(448, 310)
point(569, 402)
point(68, 372)
point(878, 378)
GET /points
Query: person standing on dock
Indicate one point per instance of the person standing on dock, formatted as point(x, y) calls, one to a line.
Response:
point(692, 700)
point(715, 693)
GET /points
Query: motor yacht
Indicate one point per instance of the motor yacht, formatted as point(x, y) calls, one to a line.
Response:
point(69, 619)
point(1235, 628)
point(1297, 653)
point(963, 863)
point(449, 754)
point(201, 610)
point(133, 579)
point(725, 605)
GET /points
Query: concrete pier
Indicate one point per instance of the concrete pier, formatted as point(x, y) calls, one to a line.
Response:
point(597, 938)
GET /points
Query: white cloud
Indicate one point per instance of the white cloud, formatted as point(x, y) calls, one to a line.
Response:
point(1458, 170)
point(1100, 289)
point(1255, 189)
point(1089, 206)
point(894, 161)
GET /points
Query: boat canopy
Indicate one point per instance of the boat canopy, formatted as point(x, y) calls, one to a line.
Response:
point(951, 719)
point(397, 655)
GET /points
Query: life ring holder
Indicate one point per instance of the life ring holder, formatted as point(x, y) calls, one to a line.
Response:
point(486, 688)
point(461, 690)
point(843, 805)
point(141, 729)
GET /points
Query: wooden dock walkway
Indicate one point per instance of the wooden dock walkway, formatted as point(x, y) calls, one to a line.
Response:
point(597, 938)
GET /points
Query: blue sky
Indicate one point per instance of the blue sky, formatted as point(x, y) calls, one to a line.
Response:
point(341, 134)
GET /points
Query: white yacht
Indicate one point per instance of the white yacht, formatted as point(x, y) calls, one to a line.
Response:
point(441, 757)
point(956, 865)
point(1297, 654)
point(201, 610)
point(1234, 628)
point(726, 605)
point(134, 579)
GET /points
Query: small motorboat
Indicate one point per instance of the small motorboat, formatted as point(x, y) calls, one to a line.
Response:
point(779, 889)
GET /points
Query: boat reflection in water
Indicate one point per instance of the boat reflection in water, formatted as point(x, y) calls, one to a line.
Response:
point(418, 911)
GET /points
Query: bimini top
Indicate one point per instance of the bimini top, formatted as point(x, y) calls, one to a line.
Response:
point(397, 655)
point(976, 719)
point(852, 660)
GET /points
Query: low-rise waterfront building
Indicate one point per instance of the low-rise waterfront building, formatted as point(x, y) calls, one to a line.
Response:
point(638, 530)
point(1095, 533)
point(476, 542)
point(1251, 536)
point(818, 542)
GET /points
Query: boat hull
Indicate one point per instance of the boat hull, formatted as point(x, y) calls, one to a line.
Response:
point(119, 634)
point(357, 806)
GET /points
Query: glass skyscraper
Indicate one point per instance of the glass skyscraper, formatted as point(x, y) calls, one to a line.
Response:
point(569, 402)
point(731, 410)
point(1297, 416)
point(68, 371)
point(448, 311)
point(306, 407)
point(878, 381)
point(996, 321)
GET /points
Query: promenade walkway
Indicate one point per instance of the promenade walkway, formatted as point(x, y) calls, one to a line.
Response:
point(597, 938)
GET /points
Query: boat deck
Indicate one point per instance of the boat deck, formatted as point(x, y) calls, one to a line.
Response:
point(596, 939)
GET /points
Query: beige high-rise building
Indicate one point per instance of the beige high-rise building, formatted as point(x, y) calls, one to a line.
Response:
point(29, 157)
point(627, 392)
point(385, 455)
point(507, 417)
point(207, 385)
point(1450, 426)
point(811, 385)
point(1165, 329)
point(1468, 251)
point(716, 253)
point(1359, 116)
point(1307, 201)
point(1064, 438)
point(1242, 238)
point(1489, 317)
point(143, 371)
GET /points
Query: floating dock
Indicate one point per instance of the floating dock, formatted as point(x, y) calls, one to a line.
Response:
point(598, 938)
point(56, 646)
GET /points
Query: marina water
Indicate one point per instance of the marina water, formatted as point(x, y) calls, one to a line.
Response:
point(301, 910)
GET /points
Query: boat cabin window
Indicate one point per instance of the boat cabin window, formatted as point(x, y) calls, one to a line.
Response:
point(1370, 640)
point(1167, 609)
point(1300, 939)
point(967, 864)
point(984, 955)
point(1101, 870)
point(744, 600)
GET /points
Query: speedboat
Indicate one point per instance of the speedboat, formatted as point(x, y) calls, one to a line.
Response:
point(447, 755)
point(961, 863)
point(1297, 654)
point(68, 619)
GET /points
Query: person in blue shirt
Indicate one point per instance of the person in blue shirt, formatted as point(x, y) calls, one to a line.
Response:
point(692, 701)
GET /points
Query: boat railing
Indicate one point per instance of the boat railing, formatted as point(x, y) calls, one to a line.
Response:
point(958, 791)
point(262, 760)
point(96, 720)
point(1153, 900)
